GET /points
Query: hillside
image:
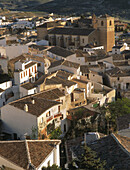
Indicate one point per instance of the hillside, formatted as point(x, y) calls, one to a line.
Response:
point(112, 7)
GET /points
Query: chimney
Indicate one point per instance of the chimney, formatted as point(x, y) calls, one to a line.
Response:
point(26, 108)
point(33, 101)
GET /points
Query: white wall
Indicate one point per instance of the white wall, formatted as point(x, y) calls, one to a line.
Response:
point(25, 92)
point(2, 41)
point(4, 64)
point(17, 121)
point(13, 50)
point(54, 158)
point(2, 98)
point(17, 75)
point(6, 85)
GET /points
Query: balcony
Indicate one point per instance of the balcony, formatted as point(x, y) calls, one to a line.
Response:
point(49, 118)
point(78, 103)
point(59, 114)
point(56, 115)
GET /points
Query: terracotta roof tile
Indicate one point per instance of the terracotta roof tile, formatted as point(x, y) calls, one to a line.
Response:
point(71, 31)
point(17, 151)
point(39, 150)
point(43, 101)
point(60, 51)
point(108, 149)
point(125, 141)
point(30, 64)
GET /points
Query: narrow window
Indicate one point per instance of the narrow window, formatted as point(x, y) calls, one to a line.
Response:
point(102, 23)
point(64, 127)
point(48, 163)
point(58, 108)
point(35, 69)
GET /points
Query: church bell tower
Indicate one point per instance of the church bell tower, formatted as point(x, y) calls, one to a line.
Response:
point(106, 29)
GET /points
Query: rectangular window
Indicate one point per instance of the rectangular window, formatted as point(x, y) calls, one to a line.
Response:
point(21, 75)
point(48, 163)
point(58, 108)
point(29, 72)
point(64, 127)
point(42, 120)
point(24, 73)
point(35, 69)
point(83, 40)
point(32, 69)
point(39, 64)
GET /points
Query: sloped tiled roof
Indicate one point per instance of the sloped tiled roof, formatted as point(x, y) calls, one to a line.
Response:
point(56, 63)
point(116, 72)
point(125, 141)
point(27, 85)
point(30, 64)
point(63, 74)
point(17, 151)
point(43, 101)
point(39, 150)
point(60, 51)
point(58, 80)
point(65, 63)
point(38, 47)
point(110, 150)
point(71, 31)
point(84, 69)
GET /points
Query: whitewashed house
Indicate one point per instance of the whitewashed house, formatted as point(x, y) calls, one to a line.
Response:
point(25, 71)
point(29, 154)
point(27, 89)
point(60, 53)
point(91, 48)
point(119, 48)
point(23, 24)
point(42, 112)
point(3, 86)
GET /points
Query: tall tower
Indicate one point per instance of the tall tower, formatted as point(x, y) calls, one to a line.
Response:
point(105, 25)
point(94, 21)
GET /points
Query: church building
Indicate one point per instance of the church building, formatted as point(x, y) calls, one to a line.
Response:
point(102, 33)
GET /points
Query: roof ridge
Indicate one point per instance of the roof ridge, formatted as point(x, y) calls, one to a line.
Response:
point(120, 144)
point(63, 62)
point(28, 153)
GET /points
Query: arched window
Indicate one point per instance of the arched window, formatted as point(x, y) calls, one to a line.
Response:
point(110, 23)
point(102, 23)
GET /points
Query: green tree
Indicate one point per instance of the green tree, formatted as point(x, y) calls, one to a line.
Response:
point(53, 167)
point(89, 160)
point(34, 132)
point(55, 134)
point(114, 110)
